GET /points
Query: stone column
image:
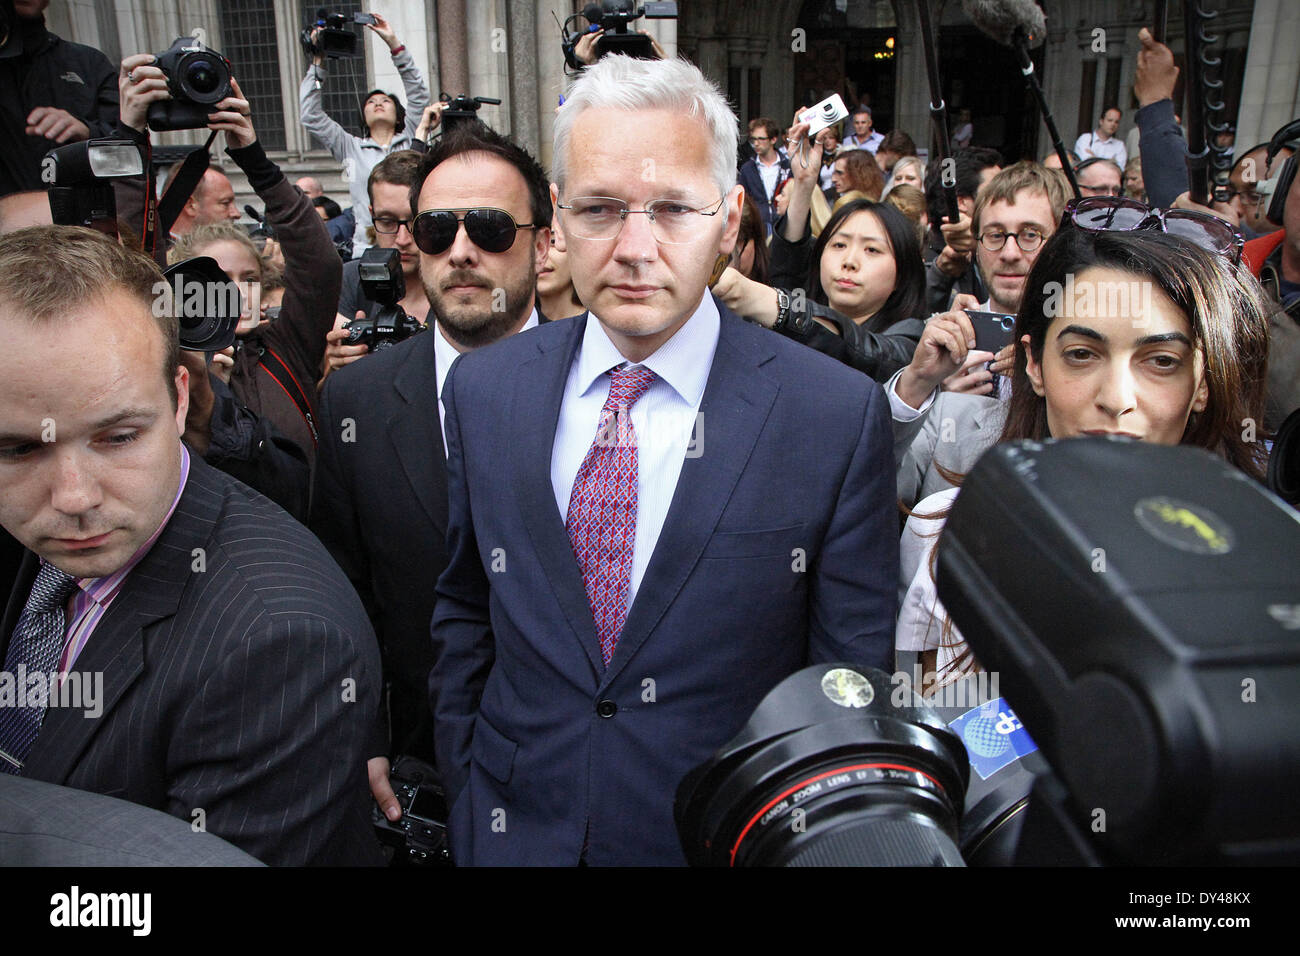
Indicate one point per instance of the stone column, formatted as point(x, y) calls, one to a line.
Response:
point(1269, 88)
point(523, 97)
point(453, 55)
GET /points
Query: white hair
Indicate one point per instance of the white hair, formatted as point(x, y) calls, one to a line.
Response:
point(624, 83)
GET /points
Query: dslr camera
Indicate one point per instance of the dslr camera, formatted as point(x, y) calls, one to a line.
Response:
point(382, 281)
point(335, 40)
point(419, 837)
point(198, 78)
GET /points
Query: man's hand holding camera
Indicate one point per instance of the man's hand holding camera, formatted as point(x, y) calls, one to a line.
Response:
point(139, 86)
point(946, 346)
point(233, 117)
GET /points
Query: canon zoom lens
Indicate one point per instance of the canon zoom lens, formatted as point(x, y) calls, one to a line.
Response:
point(203, 78)
point(836, 767)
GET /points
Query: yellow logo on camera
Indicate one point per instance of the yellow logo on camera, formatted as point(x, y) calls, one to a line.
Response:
point(1184, 525)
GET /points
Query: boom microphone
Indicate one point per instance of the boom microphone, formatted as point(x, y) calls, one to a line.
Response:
point(1001, 19)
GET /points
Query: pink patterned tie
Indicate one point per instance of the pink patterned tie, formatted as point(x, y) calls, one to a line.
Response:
point(602, 508)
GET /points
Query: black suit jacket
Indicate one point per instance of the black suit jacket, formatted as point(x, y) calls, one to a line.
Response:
point(240, 679)
point(380, 499)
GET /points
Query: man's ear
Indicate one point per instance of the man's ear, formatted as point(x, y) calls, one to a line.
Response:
point(541, 248)
point(556, 228)
point(1032, 368)
point(182, 397)
point(733, 206)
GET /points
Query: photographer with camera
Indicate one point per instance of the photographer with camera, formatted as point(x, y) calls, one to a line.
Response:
point(388, 126)
point(389, 191)
point(275, 361)
point(51, 92)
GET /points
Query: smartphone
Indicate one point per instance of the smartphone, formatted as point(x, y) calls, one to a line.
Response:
point(993, 330)
point(821, 115)
point(366, 18)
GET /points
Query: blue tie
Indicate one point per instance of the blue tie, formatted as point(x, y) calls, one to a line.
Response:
point(35, 648)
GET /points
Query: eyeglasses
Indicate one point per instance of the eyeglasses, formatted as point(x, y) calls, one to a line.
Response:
point(1027, 239)
point(492, 230)
point(600, 217)
point(388, 226)
point(1101, 190)
point(1113, 214)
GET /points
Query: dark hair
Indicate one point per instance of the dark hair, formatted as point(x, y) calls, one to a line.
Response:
point(897, 142)
point(969, 164)
point(400, 168)
point(863, 173)
point(399, 109)
point(909, 271)
point(753, 230)
point(1115, 108)
point(474, 136)
point(332, 210)
point(1223, 305)
point(769, 127)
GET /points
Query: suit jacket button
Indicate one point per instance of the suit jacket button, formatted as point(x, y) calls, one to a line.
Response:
point(607, 708)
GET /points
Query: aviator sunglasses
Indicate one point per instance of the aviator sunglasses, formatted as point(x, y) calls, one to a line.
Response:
point(1117, 214)
point(492, 230)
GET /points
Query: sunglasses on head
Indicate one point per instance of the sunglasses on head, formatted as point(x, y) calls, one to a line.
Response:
point(1117, 214)
point(492, 230)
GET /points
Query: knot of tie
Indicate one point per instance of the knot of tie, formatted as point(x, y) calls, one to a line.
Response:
point(627, 385)
point(50, 590)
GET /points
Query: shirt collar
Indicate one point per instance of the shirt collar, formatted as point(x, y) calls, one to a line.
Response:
point(444, 353)
point(683, 361)
point(104, 589)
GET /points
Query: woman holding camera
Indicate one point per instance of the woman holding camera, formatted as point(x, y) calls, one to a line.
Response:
point(275, 362)
point(864, 285)
point(1179, 359)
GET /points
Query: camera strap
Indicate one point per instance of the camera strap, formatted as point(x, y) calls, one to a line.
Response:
point(182, 185)
point(282, 375)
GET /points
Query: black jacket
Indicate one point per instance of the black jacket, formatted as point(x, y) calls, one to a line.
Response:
point(873, 351)
point(50, 71)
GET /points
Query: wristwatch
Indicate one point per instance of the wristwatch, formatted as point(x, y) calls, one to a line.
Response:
point(782, 310)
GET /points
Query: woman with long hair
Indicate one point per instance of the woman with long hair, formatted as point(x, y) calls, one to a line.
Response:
point(864, 287)
point(1138, 334)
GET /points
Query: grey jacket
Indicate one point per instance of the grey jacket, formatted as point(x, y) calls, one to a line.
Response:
point(953, 432)
point(360, 155)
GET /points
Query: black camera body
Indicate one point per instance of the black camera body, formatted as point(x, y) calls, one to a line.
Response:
point(463, 108)
point(382, 281)
point(615, 19)
point(335, 40)
point(420, 835)
point(198, 78)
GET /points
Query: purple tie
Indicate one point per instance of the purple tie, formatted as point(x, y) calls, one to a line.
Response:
point(602, 507)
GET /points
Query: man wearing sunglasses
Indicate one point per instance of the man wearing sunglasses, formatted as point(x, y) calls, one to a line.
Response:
point(380, 502)
point(658, 511)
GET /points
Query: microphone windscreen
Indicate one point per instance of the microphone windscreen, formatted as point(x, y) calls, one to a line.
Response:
point(1000, 19)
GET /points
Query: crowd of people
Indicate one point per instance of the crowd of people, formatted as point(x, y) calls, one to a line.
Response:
point(297, 558)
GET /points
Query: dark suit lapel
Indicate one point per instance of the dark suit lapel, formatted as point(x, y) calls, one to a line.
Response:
point(415, 430)
point(737, 401)
point(534, 414)
point(151, 592)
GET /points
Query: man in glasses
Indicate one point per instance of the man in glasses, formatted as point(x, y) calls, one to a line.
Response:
point(762, 174)
point(1099, 177)
point(380, 502)
point(1015, 214)
point(658, 511)
point(1243, 199)
point(389, 189)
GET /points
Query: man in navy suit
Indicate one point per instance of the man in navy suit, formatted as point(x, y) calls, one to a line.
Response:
point(657, 511)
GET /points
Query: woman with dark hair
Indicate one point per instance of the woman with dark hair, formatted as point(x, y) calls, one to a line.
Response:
point(1136, 334)
point(864, 285)
point(750, 257)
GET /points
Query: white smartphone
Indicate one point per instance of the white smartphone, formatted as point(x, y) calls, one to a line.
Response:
point(826, 113)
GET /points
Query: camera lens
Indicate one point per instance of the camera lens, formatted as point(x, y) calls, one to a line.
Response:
point(202, 77)
point(1008, 323)
point(829, 771)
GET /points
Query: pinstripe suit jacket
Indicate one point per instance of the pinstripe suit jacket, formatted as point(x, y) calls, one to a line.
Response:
point(240, 681)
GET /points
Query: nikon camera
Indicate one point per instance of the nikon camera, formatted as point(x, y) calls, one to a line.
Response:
point(382, 281)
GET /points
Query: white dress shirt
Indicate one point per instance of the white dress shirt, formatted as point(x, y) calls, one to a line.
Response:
point(1090, 144)
point(663, 420)
point(444, 353)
